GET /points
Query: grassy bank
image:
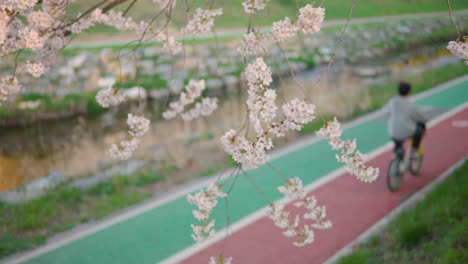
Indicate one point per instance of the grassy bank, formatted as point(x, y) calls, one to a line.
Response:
point(34, 105)
point(435, 231)
point(235, 17)
point(26, 225)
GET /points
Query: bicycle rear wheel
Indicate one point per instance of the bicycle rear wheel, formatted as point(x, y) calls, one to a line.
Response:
point(394, 175)
point(415, 164)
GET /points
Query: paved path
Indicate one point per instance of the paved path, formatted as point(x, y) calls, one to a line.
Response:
point(160, 230)
point(353, 207)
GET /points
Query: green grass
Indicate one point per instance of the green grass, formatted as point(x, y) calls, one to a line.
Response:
point(235, 17)
point(84, 102)
point(433, 231)
point(420, 82)
point(26, 225)
point(145, 81)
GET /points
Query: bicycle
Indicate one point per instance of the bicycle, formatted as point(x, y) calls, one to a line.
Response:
point(400, 164)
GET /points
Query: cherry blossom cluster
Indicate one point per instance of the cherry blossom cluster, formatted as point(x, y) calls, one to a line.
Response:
point(349, 156)
point(309, 21)
point(249, 154)
point(204, 108)
point(124, 149)
point(459, 48)
point(193, 91)
point(38, 26)
point(252, 43)
point(205, 201)
point(138, 124)
point(112, 18)
point(304, 234)
point(109, 97)
point(55, 7)
point(202, 21)
point(17, 5)
point(170, 44)
point(261, 100)
point(252, 6)
point(8, 86)
point(35, 69)
point(138, 127)
point(3, 26)
point(284, 30)
point(298, 113)
point(220, 260)
point(262, 112)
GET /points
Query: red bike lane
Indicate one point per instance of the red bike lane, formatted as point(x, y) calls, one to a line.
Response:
point(352, 206)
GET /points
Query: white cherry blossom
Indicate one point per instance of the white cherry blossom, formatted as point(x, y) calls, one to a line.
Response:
point(202, 21)
point(252, 6)
point(310, 19)
point(8, 86)
point(459, 48)
point(139, 125)
point(109, 97)
point(349, 156)
point(284, 30)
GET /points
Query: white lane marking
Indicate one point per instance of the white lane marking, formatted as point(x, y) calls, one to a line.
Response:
point(460, 123)
point(93, 227)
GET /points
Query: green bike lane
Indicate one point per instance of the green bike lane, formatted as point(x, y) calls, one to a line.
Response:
point(160, 232)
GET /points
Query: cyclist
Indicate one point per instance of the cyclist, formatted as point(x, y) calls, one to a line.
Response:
point(406, 121)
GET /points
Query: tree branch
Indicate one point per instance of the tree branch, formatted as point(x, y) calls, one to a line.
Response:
point(112, 5)
point(129, 7)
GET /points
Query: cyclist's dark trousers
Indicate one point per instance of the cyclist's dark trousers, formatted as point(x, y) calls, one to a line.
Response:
point(417, 137)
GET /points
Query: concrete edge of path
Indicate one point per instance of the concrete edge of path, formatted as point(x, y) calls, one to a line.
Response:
point(84, 230)
point(383, 223)
point(191, 250)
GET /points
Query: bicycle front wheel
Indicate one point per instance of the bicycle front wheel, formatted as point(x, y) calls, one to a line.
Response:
point(415, 164)
point(394, 175)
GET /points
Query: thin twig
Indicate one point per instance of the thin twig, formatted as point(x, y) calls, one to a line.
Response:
point(256, 186)
point(277, 171)
point(293, 76)
point(341, 36)
point(330, 62)
point(129, 7)
point(16, 61)
point(112, 5)
point(451, 18)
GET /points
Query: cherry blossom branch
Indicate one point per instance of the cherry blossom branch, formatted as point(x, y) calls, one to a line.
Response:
point(112, 5)
point(85, 13)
